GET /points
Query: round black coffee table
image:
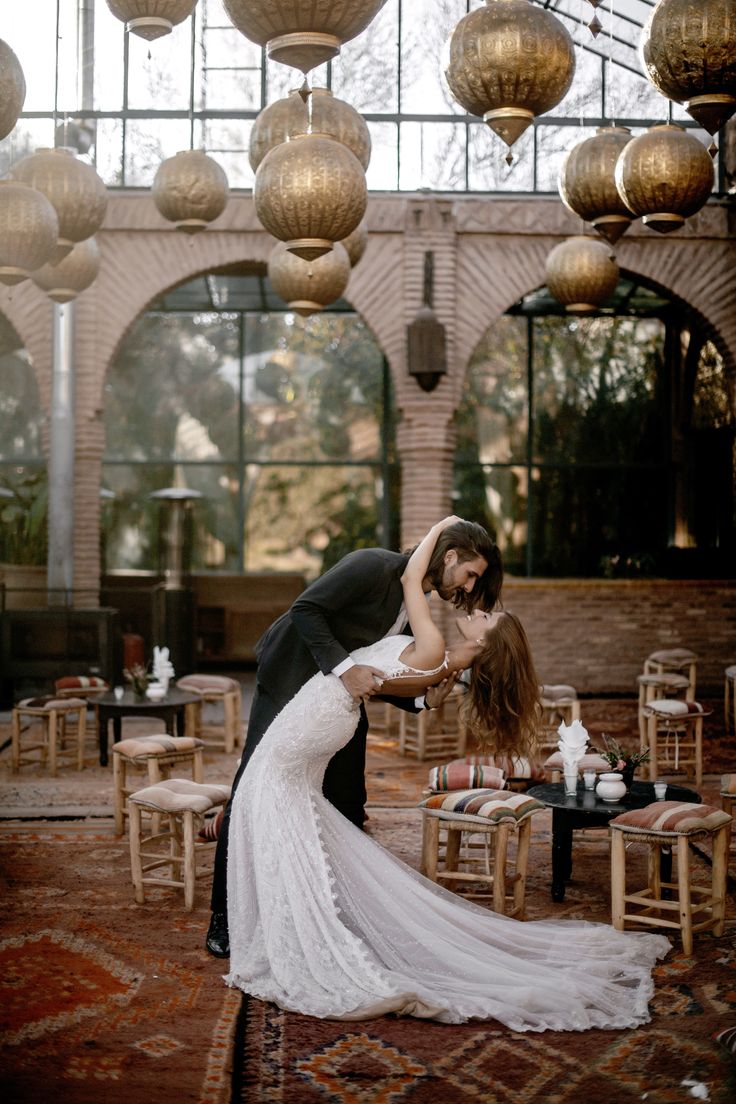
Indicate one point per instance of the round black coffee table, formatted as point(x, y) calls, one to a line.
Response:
point(170, 708)
point(586, 810)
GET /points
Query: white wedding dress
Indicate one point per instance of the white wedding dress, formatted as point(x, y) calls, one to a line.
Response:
point(326, 922)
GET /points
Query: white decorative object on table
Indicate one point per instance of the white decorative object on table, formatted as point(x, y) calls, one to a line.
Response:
point(573, 744)
point(163, 671)
point(611, 787)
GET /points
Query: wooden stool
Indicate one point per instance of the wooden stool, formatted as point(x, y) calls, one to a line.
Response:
point(183, 804)
point(677, 660)
point(220, 690)
point(52, 713)
point(680, 724)
point(495, 815)
point(559, 703)
point(156, 755)
point(383, 717)
point(729, 698)
point(728, 792)
point(87, 687)
point(667, 825)
point(654, 688)
point(434, 733)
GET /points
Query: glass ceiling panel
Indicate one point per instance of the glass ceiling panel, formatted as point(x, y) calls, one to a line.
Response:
point(235, 288)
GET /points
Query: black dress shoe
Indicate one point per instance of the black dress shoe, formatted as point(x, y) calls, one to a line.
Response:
point(218, 936)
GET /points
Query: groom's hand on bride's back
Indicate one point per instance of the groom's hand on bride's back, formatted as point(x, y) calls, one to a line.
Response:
point(361, 681)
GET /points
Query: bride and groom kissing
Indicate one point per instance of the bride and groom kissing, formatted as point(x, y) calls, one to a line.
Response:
point(319, 918)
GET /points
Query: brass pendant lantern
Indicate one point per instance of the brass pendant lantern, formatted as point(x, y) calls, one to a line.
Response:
point(64, 281)
point(74, 189)
point(582, 273)
point(302, 33)
point(310, 192)
point(12, 89)
point(190, 190)
point(664, 175)
point(309, 286)
point(689, 53)
point(151, 19)
point(355, 243)
point(587, 185)
point(284, 119)
point(28, 231)
point(509, 62)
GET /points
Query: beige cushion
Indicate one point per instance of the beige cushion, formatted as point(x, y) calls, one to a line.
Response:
point(673, 656)
point(148, 747)
point(49, 702)
point(682, 818)
point(668, 680)
point(591, 761)
point(179, 795)
point(731, 672)
point(208, 684)
point(559, 693)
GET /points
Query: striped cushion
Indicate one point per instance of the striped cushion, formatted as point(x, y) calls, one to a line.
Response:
point(462, 776)
point(727, 1038)
point(728, 783)
point(672, 655)
point(487, 805)
point(591, 761)
point(210, 830)
point(177, 795)
point(80, 682)
point(668, 707)
point(684, 818)
point(50, 702)
point(513, 766)
point(202, 684)
point(151, 746)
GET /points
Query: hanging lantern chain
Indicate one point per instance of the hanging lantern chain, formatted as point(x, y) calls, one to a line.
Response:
point(193, 58)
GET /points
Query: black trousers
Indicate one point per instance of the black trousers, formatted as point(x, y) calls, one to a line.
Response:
point(343, 786)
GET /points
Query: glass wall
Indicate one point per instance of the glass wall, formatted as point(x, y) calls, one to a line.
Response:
point(135, 104)
point(599, 446)
point(283, 425)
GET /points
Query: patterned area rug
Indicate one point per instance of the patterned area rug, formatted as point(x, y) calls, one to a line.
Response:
point(102, 999)
point(281, 1058)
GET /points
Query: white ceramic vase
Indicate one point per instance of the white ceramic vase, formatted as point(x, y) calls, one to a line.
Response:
point(611, 787)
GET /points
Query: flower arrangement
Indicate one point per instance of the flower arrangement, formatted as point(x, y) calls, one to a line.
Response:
point(138, 678)
point(621, 760)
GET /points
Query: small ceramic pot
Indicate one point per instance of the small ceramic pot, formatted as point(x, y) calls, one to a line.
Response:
point(611, 787)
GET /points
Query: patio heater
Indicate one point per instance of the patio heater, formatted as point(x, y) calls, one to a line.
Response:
point(175, 604)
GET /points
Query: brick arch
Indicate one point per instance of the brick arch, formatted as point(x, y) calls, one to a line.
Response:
point(30, 312)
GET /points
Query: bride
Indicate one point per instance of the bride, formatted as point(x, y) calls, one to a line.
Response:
point(325, 922)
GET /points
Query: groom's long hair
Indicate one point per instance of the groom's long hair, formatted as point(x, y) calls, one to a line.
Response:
point(469, 541)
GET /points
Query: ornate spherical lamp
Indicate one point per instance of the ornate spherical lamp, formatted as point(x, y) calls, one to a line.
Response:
point(355, 243)
point(286, 118)
point(12, 89)
point(151, 19)
point(74, 189)
point(665, 175)
point(64, 281)
point(581, 273)
point(28, 230)
point(587, 185)
point(309, 286)
point(190, 190)
point(689, 52)
point(310, 192)
point(302, 33)
point(509, 62)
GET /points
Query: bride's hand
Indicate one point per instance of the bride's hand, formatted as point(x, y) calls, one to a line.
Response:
point(361, 681)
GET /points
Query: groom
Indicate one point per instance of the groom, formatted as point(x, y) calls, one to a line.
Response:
point(355, 603)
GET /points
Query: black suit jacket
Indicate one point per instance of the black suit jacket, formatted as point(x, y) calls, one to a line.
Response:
point(352, 605)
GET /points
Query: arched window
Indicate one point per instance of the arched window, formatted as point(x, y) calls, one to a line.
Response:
point(283, 425)
point(600, 445)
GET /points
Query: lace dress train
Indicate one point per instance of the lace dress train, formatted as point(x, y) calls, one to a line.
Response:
point(326, 922)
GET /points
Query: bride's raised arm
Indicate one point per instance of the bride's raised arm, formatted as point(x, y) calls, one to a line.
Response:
point(428, 650)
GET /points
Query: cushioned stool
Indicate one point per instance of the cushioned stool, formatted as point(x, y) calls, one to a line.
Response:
point(87, 687)
point(590, 761)
point(677, 660)
point(183, 804)
point(221, 691)
point(729, 698)
point(520, 773)
point(51, 714)
point(663, 826)
point(674, 736)
point(156, 755)
point(434, 733)
point(655, 687)
point(559, 703)
point(451, 820)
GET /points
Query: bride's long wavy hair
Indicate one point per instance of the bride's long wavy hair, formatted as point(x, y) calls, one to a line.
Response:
point(502, 708)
